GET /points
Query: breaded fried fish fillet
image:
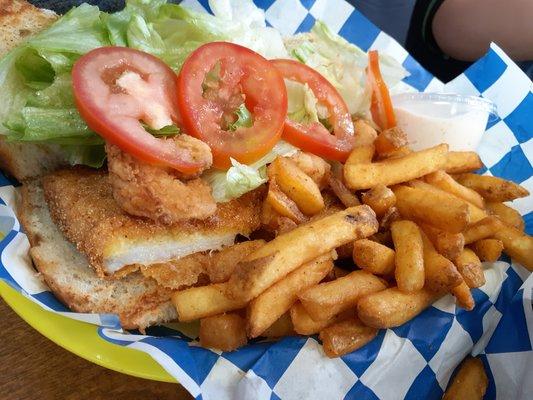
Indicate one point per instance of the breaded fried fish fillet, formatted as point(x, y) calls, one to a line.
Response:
point(82, 205)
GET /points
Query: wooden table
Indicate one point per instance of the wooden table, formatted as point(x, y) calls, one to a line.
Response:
point(33, 367)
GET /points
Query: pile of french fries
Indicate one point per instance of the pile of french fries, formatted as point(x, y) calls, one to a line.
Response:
point(417, 224)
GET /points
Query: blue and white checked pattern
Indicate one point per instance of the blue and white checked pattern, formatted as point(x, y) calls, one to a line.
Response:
point(413, 361)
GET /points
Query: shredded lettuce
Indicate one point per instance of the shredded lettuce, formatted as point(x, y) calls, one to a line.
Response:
point(240, 178)
point(343, 64)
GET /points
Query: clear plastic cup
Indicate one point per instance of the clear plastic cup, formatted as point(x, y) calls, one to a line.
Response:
point(429, 119)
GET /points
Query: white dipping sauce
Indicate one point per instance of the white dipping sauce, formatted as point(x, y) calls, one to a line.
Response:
point(429, 123)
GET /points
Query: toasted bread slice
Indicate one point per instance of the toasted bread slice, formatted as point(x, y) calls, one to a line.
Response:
point(138, 301)
point(82, 204)
point(19, 20)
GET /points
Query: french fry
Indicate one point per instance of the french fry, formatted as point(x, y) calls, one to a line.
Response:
point(225, 332)
point(298, 186)
point(223, 263)
point(390, 140)
point(469, 383)
point(290, 250)
point(282, 204)
point(517, 244)
point(506, 214)
point(361, 154)
point(396, 170)
point(365, 134)
point(469, 266)
point(409, 259)
point(433, 207)
point(390, 216)
point(265, 309)
point(305, 325)
point(463, 296)
point(204, 301)
point(380, 199)
point(483, 229)
point(271, 221)
point(346, 336)
point(440, 273)
point(373, 257)
point(492, 188)
point(474, 213)
point(345, 196)
point(281, 327)
point(462, 161)
point(450, 245)
point(314, 166)
point(488, 249)
point(392, 307)
point(396, 153)
point(445, 182)
point(327, 299)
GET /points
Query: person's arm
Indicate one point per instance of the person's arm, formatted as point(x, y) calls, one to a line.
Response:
point(463, 29)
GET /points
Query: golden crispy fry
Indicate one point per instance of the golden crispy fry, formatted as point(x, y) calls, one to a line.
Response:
point(506, 214)
point(409, 258)
point(204, 301)
point(380, 199)
point(287, 252)
point(450, 245)
point(221, 264)
point(297, 185)
point(327, 299)
point(271, 221)
point(346, 336)
point(440, 273)
point(445, 182)
point(462, 161)
point(365, 134)
point(488, 249)
point(492, 188)
point(396, 170)
point(463, 296)
point(392, 307)
point(469, 383)
point(517, 244)
point(396, 153)
point(361, 154)
point(346, 197)
point(280, 328)
point(390, 140)
point(265, 309)
point(282, 204)
point(433, 207)
point(485, 228)
point(225, 332)
point(373, 257)
point(469, 266)
point(305, 325)
point(316, 167)
point(474, 213)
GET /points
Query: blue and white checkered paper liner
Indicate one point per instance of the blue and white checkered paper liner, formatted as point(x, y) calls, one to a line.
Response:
point(414, 361)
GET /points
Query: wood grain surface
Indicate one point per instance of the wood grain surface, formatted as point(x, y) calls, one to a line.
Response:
point(33, 367)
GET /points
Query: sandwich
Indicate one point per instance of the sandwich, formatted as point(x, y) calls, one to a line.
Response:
point(138, 178)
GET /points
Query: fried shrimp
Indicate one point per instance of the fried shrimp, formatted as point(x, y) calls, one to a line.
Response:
point(160, 193)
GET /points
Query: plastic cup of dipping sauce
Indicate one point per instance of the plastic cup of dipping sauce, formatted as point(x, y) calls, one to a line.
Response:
point(429, 119)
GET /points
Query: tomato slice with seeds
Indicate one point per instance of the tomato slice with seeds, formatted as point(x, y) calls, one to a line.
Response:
point(381, 105)
point(314, 137)
point(214, 81)
point(115, 88)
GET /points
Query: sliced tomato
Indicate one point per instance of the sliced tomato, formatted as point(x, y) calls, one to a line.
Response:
point(314, 137)
point(116, 114)
point(381, 106)
point(243, 76)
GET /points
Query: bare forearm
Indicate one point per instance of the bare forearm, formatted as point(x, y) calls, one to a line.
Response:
point(464, 29)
